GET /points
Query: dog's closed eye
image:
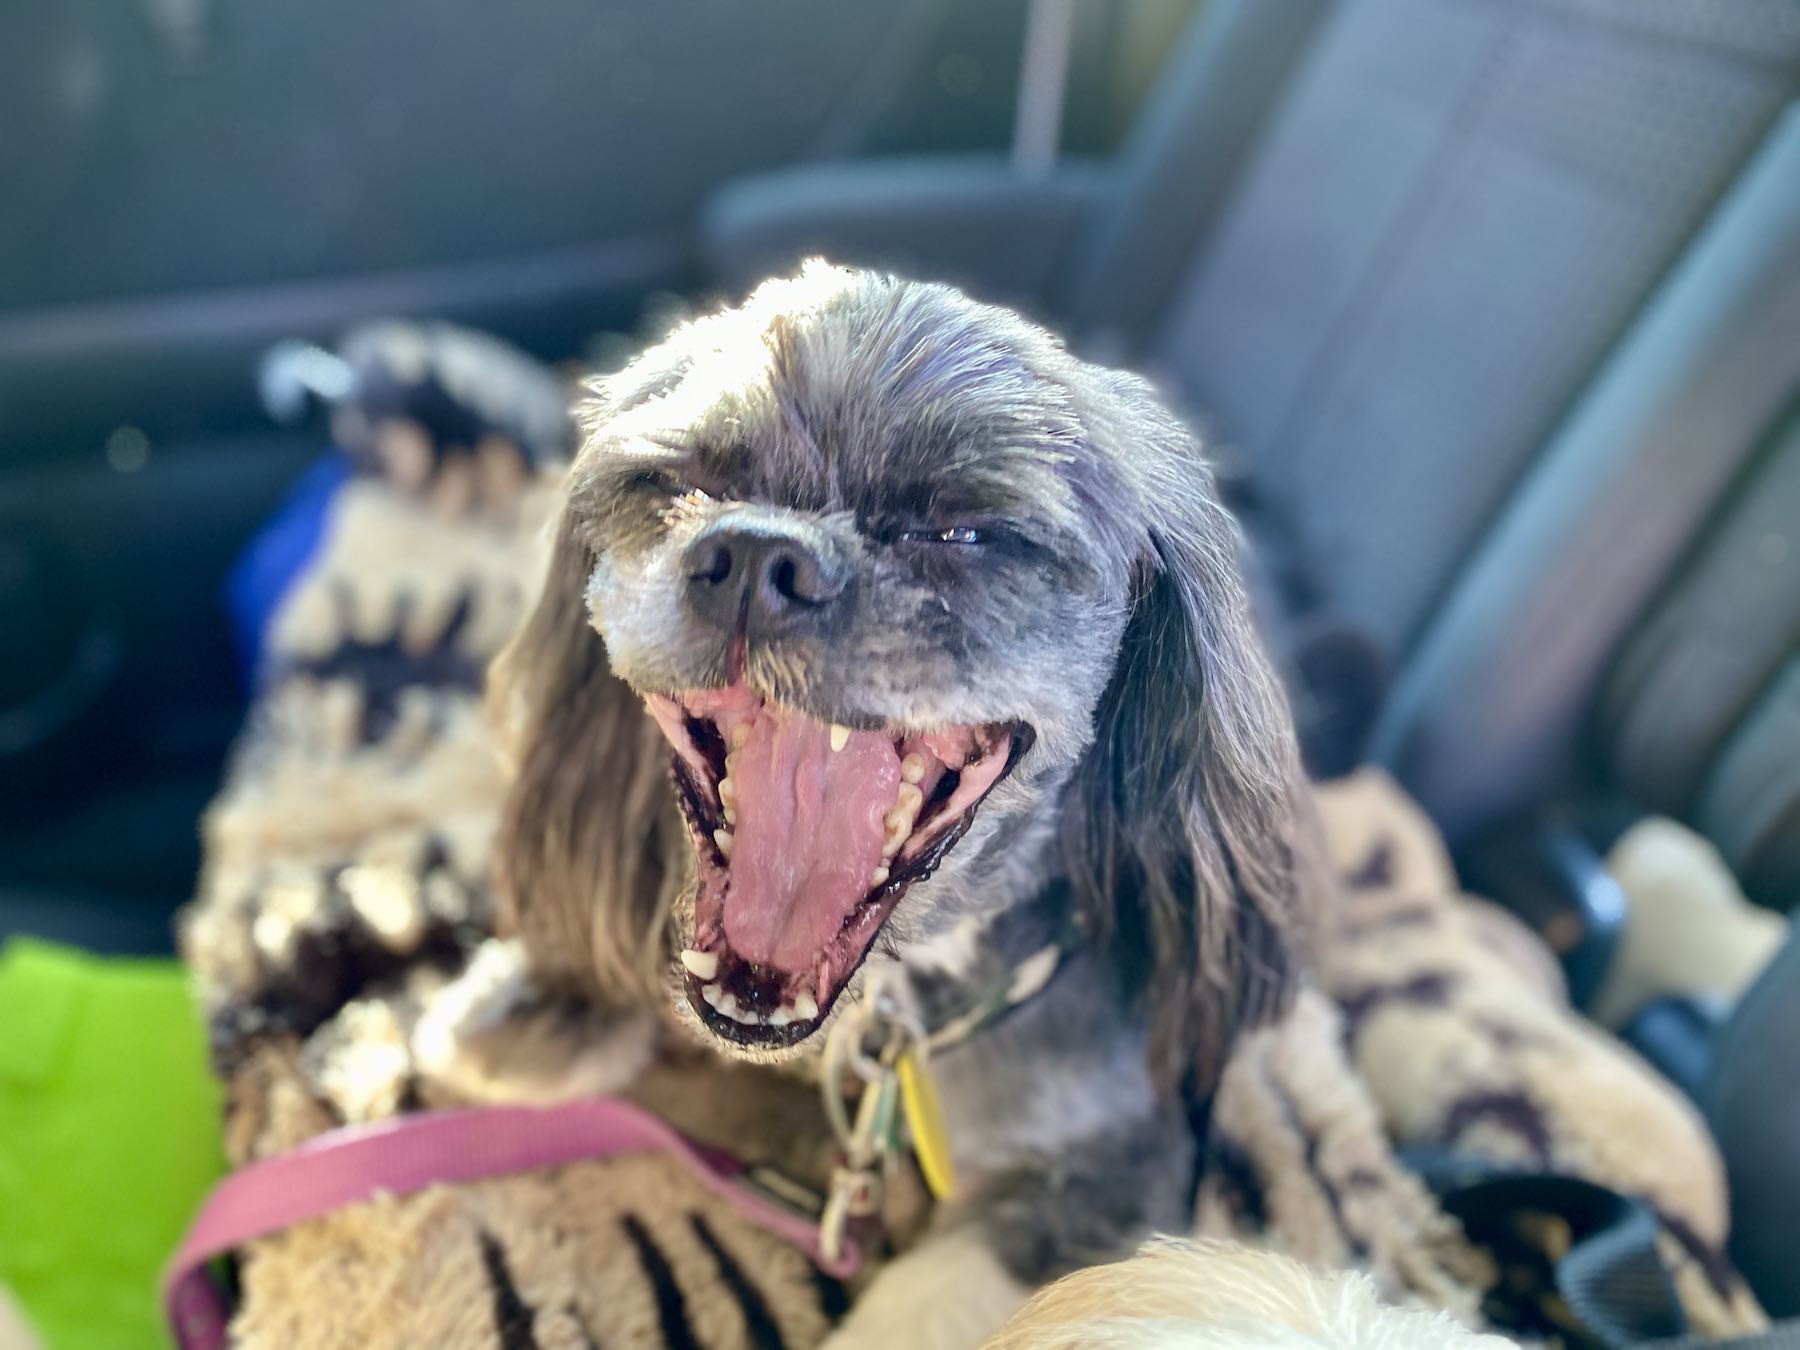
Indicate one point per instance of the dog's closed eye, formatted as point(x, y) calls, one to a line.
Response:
point(967, 535)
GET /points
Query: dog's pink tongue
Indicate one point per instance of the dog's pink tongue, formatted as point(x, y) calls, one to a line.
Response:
point(808, 836)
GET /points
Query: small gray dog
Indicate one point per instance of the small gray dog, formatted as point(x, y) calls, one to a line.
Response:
point(945, 631)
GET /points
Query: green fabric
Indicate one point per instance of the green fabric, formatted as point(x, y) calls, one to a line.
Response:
point(109, 1137)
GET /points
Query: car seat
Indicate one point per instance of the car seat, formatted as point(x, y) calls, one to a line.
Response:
point(1495, 308)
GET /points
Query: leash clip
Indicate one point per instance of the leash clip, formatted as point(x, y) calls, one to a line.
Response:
point(869, 1041)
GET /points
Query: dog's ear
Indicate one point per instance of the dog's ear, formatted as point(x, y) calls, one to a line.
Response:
point(588, 855)
point(1189, 834)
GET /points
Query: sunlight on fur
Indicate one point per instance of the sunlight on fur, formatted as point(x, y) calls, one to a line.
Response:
point(1176, 1295)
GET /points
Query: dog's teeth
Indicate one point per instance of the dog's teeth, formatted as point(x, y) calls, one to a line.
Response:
point(748, 1017)
point(781, 1017)
point(878, 877)
point(728, 792)
point(912, 768)
point(898, 826)
point(840, 737)
point(701, 965)
point(806, 1007)
point(712, 994)
point(901, 817)
point(723, 839)
point(739, 735)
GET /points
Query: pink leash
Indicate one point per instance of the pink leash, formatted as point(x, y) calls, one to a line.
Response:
point(401, 1156)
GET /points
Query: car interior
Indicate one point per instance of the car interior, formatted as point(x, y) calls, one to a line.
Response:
point(1490, 310)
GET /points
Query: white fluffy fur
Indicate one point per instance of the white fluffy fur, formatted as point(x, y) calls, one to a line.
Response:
point(1176, 1295)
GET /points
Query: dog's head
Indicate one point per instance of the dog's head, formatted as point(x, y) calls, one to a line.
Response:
point(925, 613)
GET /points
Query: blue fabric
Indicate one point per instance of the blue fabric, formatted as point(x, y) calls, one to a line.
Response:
point(270, 563)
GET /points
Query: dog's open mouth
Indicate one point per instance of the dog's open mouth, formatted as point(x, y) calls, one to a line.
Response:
point(806, 835)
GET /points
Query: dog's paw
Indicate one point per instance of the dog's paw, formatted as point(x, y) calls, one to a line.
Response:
point(448, 414)
point(493, 1036)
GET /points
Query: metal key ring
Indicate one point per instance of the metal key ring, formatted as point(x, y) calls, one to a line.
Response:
point(846, 1046)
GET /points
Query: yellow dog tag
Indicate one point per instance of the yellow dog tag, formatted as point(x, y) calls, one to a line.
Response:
point(925, 1121)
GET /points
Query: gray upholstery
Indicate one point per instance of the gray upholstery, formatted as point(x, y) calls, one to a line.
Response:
point(1182, 160)
point(1750, 799)
point(172, 149)
point(1100, 251)
point(1514, 656)
point(966, 218)
point(1752, 1103)
point(1708, 651)
point(1475, 321)
point(1458, 208)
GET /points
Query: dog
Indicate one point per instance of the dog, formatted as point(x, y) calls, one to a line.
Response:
point(884, 640)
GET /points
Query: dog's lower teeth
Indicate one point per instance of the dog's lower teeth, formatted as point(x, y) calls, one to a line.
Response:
point(723, 839)
point(781, 1017)
point(912, 768)
point(701, 965)
point(806, 1007)
point(722, 1001)
point(878, 877)
point(728, 792)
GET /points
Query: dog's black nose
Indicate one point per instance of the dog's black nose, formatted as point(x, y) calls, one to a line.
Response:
point(773, 575)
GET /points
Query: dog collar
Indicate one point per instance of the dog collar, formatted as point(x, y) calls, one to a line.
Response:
point(1030, 978)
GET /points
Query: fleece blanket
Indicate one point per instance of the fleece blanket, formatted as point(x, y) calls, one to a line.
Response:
point(343, 941)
